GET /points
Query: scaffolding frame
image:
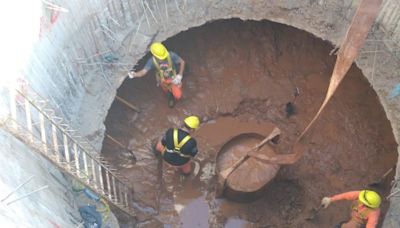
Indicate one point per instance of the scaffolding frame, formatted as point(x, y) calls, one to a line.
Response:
point(35, 123)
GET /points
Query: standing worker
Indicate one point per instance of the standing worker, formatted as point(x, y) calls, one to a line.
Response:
point(166, 64)
point(177, 147)
point(364, 209)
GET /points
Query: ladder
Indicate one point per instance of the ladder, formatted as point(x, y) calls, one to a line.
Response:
point(33, 122)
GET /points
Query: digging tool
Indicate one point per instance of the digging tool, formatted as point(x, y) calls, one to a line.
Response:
point(382, 179)
point(227, 172)
point(224, 174)
point(122, 100)
point(122, 146)
point(314, 212)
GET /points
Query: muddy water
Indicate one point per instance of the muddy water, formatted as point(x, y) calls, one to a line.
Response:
point(249, 71)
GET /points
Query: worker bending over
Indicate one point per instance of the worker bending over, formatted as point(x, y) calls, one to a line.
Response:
point(166, 64)
point(364, 209)
point(177, 147)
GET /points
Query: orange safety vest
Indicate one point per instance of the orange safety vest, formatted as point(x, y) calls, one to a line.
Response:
point(165, 74)
point(360, 212)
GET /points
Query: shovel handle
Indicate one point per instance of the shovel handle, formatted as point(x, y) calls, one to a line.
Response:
point(130, 105)
point(387, 172)
point(274, 133)
point(115, 141)
point(228, 171)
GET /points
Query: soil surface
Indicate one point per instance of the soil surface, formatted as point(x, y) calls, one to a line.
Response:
point(250, 71)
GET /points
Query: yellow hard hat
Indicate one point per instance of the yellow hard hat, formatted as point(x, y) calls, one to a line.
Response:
point(369, 198)
point(192, 122)
point(159, 50)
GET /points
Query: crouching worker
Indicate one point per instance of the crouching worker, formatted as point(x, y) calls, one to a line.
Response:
point(177, 147)
point(167, 76)
point(364, 209)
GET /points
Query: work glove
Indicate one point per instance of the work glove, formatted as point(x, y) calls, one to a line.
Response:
point(325, 202)
point(132, 74)
point(177, 80)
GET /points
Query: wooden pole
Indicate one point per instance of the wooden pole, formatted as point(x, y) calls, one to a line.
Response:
point(127, 103)
point(116, 141)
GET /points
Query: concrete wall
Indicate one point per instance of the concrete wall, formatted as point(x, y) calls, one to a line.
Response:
point(83, 57)
point(51, 207)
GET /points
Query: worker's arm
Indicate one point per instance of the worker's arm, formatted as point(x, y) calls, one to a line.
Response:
point(353, 195)
point(326, 201)
point(138, 74)
point(373, 219)
point(181, 67)
point(149, 65)
point(176, 59)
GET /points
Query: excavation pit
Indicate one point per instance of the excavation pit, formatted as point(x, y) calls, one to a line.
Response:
point(248, 71)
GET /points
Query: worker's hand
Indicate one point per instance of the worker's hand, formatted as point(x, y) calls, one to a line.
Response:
point(177, 80)
point(132, 74)
point(325, 202)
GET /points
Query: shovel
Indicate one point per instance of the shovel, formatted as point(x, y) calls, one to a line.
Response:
point(228, 171)
point(133, 157)
point(382, 179)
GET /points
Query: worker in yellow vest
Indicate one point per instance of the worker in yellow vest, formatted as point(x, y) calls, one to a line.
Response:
point(166, 64)
point(177, 147)
point(364, 209)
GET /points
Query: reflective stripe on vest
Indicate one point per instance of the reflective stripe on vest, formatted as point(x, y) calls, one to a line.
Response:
point(360, 211)
point(179, 145)
point(160, 71)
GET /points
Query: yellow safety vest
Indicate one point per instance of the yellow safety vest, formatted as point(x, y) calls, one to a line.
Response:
point(178, 145)
point(161, 72)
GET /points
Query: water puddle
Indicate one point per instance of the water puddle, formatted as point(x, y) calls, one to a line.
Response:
point(192, 206)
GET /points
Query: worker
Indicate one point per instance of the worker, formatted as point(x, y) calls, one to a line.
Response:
point(177, 147)
point(364, 209)
point(166, 64)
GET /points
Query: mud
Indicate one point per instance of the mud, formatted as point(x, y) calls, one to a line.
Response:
point(249, 71)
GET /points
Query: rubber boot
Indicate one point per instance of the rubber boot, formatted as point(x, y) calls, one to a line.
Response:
point(171, 100)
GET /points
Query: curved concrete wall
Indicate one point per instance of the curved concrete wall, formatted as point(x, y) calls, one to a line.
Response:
point(90, 48)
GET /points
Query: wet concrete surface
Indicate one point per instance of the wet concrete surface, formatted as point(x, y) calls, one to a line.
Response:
point(249, 71)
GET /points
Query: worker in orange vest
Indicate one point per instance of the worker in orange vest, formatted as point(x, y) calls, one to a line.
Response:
point(165, 63)
point(364, 209)
point(177, 147)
